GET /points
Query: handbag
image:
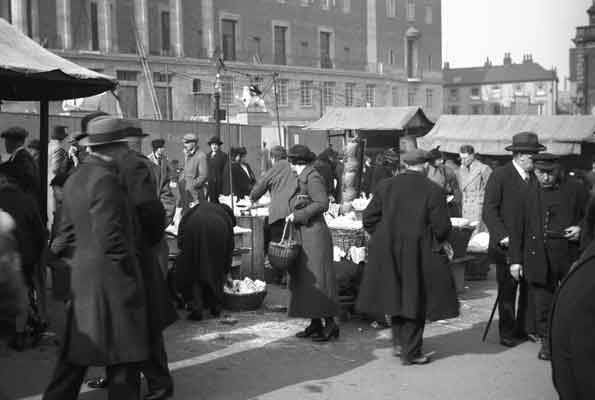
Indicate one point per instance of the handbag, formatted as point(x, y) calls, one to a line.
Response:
point(283, 254)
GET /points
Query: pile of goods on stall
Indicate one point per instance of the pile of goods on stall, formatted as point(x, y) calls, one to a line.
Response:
point(347, 231)
point(244, 207)
point(244, 286)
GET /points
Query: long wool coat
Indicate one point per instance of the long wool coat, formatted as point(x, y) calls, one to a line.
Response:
point(312, 282)
point(405, 276)
point(107, 322)
point(473, 181)
point(206, 243)
point(216, 162)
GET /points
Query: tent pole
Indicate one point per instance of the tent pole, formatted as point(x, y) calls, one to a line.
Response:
point(40, 276)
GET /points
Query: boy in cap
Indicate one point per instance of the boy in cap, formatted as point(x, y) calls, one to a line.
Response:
point(544, 239)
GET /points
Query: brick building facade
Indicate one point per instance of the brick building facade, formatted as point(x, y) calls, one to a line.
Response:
point(582, 67)
point(322, 52)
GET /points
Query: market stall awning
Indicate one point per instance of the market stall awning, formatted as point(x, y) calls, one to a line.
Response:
point(490, 134)
point(371, 118)
point(30, 72)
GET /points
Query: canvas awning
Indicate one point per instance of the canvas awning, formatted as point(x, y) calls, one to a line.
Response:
point(490, 134)
point(371, 118)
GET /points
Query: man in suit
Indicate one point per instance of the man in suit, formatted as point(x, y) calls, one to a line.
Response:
point(473, 177)
point(545, 236)
point(107, 318)
point(28, 174)
point(160, 167)
point(195, 175)
point(216, 161)
point(505, 192)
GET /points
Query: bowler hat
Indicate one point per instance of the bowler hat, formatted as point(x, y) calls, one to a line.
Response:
point(107, 129)
point(545, 161)
point(34, 144)
point(190, 137)
point(215, 139)
point(238, 151)
point(415, 157)
point(157, 143)
point(16, 132)
point(300, 154)
point(60, 132)
point(525, 142)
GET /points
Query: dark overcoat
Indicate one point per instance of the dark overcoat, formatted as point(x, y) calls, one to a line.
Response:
point(405, 274)
point(206, 243)
point(108, 317)
point(312, 282)
point(216, 162)
point(26, 173)
point(280, 181)
point(571, 331)
point(504, 195)
point(528, 239)
point(242, 182)
point(139, 180)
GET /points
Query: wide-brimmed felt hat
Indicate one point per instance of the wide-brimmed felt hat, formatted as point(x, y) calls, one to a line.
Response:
point(215, 139)
point(16, 132)
point(60, 132)
point(238, 151)
point(415, 157)
point(190, 137)
point(545, 161)
point(300, 154)
point(34, 144)
point(107, 129)
point(157, 143)
point(525, 142)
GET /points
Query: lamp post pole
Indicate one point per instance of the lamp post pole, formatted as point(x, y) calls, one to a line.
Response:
point(217, 95)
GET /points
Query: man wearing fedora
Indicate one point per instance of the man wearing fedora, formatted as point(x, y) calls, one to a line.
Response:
point(195, 175)
point(57, 164)
point(22, 160)
point(216, 161)
point(545, 237)
point(107, 320)
point(506, 190)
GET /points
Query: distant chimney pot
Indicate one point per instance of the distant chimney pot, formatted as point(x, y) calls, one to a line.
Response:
point(507, 59)
point(447, 64)
point(488, 63)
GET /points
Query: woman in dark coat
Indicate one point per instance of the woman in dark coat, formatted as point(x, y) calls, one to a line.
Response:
point(312, 280)
point(206, 243)
point(243, 178)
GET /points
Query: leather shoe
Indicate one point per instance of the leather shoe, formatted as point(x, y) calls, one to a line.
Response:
point(533, 338)
point(195, 315)
point(97, 383)
point(508, 342)
point(18, 341)
point(397, 350)
point(419, 360)
point(544, 354)
point(160, 394)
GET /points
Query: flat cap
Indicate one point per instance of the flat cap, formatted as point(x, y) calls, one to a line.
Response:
point(215, 139)
point(190, 137)
point(34, 144)
point(415, 157)
point(16, 132)
point(300, 154)
point(545, 161)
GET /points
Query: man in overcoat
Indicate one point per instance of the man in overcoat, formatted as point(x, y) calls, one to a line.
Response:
point(571, 331)
point(506, 190)
point(22, 160)
point(217, 160)
point(160, 167)
point(195, 175)
point(473, 178)
point(107, 319)
point(407, 277)
point(541, 247)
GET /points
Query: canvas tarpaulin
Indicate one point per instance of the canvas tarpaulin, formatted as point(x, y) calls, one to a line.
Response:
point(490, 134)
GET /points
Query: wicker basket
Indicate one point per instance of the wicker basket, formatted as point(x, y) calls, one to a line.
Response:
point(243, 302)
point(283, 254)
point(348, 238)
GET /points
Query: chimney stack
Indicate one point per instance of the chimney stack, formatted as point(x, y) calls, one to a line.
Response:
point(527, 58)
point(447, 64)
point(488, 63)
point(507, 59)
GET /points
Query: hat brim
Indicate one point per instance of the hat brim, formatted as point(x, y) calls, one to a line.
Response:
point(86, 142)
point(543, 167)
point(528, 149)
point(219, 142)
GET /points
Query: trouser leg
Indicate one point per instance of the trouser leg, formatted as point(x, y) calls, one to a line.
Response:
point(411, 338)
point(197, 294)
point(124, 382)
point(506, 302)
point(543, 301)
point(395, 327)
point(66, 381)
point(155, 369)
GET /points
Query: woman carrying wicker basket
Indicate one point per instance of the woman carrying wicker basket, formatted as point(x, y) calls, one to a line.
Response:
point(312, 280)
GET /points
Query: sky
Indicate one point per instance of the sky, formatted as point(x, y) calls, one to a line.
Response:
point(475, 29)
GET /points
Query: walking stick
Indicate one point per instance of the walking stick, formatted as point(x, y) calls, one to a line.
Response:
point(487, 329)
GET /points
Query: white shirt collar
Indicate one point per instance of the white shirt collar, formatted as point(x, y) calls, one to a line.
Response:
point(524, 175)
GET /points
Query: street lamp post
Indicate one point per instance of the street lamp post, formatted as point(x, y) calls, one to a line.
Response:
point(217, 95)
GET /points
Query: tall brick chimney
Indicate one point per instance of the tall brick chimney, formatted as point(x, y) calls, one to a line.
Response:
point(507, 59)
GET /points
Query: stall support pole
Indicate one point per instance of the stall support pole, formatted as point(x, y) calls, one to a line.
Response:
point(40, 276)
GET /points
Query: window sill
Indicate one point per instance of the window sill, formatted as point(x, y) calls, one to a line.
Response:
point(413, 79)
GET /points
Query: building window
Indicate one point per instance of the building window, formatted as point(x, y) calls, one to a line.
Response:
point(410, 11)
point(228, 37)
point(283, 92)
point(371, 95)
point(346, 6)
point(306, 93)
point(391, 8)
point(94, 27)
point(395, 96)
point(392, 57)
point(475, 93)
point(429, 16)
point(128, 96)
point(519, 89)
point(349, 89)
point(326, 4)
point(411, 95)
point(476, 109)
point(325, 50)
point(429, 98)
point(226, 90)
point(165, 33)
point(280, 38)
point(161, 77)
point(453, 110)
point(540, 89)
point(196, 86)
point(124, 75)
point(453, 94)
point(496, 91)
point(412, 58)
point(497, 109)
point(429, 63)
point(328, 92)
point(306, 3)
